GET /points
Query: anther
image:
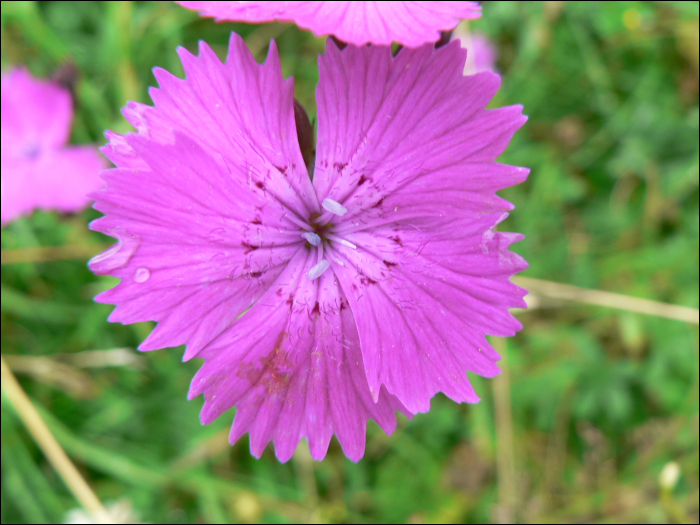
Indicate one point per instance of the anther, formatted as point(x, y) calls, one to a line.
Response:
point(318, 270)
point(313, 238)
point(334, 207)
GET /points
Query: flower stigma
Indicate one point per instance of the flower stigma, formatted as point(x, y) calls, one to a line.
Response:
point(323, 234)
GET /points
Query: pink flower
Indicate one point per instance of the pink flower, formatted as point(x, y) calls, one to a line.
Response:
point(38, 170)
point(316, 305)
point(481, 53)
point(409, 23)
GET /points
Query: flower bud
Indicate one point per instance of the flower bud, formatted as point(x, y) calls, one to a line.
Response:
point(305, 134)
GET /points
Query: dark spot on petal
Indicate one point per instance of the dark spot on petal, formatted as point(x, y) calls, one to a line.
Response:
point(256, 221)
point(282, 170)
point(256, 274)
point(362, 180)
point(343, 305)
point(276, 370)
point(290, 301)
point(249, 247)
point(279, 292)
point(379, 203)
point(367, 280)
point(260, 185)
point(397, 240)
point(340, 165)
point(316, 310)
point(389, 264)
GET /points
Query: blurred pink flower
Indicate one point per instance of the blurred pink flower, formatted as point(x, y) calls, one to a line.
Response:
point(38, 169)
point(481, 53)
point(316, 303)
point(409, 23)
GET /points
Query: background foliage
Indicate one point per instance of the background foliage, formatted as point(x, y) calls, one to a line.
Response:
point(600, 400)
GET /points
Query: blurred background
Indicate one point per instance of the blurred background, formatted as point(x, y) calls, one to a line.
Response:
point(596, 417)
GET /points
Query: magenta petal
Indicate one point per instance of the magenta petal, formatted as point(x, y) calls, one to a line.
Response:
point(387, 125)
point(186, 243)
point(292, 366)
point(409, 23)
point(206, 198)
point(240, 112)
point(419, 181)
point(440, 288)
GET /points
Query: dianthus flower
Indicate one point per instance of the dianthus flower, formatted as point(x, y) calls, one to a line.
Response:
point(316, 304)
point(409, 23)
point(38, 170)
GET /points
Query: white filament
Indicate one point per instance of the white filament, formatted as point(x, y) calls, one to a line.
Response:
point(340, 240)
point(313, 238)
point(296, 220)
point(318, 270)
point(334, 259)
point(334, 207)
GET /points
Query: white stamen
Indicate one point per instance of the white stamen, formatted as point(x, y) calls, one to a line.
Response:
point(340, 240)
point(318, 270)
point(313, 238)
point(334, 207)
point(334, 259)
point(296, 220)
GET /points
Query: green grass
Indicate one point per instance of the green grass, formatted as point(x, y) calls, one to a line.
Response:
point(601, 399)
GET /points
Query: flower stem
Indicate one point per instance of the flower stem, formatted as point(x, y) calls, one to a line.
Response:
point(50, 446)
point(608, 299)
point(505, 443)
point(52, 253)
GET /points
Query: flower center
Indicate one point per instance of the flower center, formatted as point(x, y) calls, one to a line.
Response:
point(322, 233)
